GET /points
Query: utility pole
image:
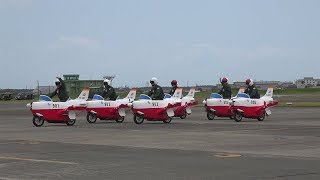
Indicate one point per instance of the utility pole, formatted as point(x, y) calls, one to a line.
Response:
point(38, 87)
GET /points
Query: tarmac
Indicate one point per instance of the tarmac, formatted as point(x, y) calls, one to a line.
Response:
point(284, 146)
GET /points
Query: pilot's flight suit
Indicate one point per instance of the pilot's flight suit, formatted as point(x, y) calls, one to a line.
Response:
point(225, 91)
point(61, 91)
point(110, 93)
point(253, 92)
point(156, 92)
point(172, 90)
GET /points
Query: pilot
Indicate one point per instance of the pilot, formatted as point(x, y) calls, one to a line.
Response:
point(156, 92)
point(109, 92)
point(174, 84)
point(225, 91)
point(251, 89)
point(61, 90)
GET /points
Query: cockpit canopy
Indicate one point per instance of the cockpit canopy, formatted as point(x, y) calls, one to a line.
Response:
point(97, 97)
point(216, 96)
point(167, 96)
point(243, 95)
point(44, 98)
point(144, 97)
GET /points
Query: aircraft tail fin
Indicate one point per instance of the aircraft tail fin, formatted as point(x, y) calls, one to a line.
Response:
point(178, 93)
point(241, 90)
point(269, 92)
point(132, 94)
point(192, 92)
point(84, 95)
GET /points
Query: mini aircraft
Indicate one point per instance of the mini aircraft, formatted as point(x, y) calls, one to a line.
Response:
point(57, 112)
point(186, 102)
point(217, 106)
point(155, 110)
point(244, 106)
point(108, 110)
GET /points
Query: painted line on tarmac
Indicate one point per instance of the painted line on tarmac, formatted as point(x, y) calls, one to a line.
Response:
point(252, 130)
point(20, 142)
point(228, 155)
point(37, 160)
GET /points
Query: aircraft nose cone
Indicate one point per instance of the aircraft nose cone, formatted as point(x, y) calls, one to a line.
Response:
point(29, 105)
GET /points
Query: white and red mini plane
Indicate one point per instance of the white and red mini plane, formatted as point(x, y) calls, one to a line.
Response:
point(244, 106)
point(186, 102)
point(57, 112)
point(155, 110)
point(109, 110)
point(217, 106)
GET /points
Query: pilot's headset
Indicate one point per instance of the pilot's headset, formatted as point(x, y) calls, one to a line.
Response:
point(249, 82)
point(106, 82)
point(153, 81)
point(58, 83)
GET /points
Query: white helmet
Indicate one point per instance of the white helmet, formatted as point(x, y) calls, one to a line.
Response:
point(249, 82)
point(57, 82)
point(106, 82)
point(154, 79)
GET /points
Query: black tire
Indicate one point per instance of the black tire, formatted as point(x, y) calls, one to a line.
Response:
point(37, 121)
point(71, 122)
point(262, 117)
point(230, 117)
point(210, 115)
point(167, 121)
point(184, 115)
point(237, 116)
point(91, 118)
point(138, 119)
point(120, 120)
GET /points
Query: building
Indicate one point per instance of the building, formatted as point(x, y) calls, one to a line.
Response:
point(262, 85)
point(74, 86)
point(307, 82)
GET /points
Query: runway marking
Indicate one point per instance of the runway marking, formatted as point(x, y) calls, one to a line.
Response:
point(249, 130)
point(37, 160)
point(21, 142)
point(228, 155)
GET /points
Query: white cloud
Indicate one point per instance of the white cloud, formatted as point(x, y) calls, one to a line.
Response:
point(15, 3)
point(83, 42)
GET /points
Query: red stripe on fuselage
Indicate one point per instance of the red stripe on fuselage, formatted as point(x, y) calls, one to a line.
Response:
point(221, 111)
point(251, 112)
point(105, 113)
point(52, 114)
point(152, 113)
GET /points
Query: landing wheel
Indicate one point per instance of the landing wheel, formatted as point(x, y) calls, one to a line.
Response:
point(167, 121)
point(262, 117)
point(91, 118)
point(184, 115)
point(138, 119)
point(71, 122)
point(237, 116)
point(37, 121)
point(210, 115)
point(120, 120)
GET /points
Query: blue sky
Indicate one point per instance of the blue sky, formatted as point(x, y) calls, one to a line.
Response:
point(195, 42)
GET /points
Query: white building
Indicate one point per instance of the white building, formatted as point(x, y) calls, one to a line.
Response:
point(307, 82)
